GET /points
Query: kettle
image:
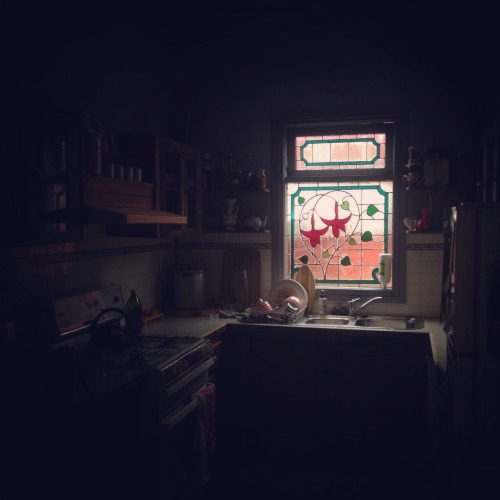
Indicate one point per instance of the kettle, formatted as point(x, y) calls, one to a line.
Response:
point(255, 223)
point(107, 337)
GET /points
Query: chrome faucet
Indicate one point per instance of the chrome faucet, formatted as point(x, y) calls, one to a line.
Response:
point(353, 311)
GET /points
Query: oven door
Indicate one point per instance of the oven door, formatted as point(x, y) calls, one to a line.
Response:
point(182, 449)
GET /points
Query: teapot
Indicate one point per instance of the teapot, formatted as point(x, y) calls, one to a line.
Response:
point(255, 223)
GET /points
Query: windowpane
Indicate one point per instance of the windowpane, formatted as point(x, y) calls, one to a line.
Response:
point(339, 230)
point(335, 152)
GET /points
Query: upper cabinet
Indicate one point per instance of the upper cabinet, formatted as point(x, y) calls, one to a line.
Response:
point(63, 172)
point(177, 169)
point(40, 155)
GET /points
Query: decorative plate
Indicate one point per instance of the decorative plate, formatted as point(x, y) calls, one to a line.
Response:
point(286, 288)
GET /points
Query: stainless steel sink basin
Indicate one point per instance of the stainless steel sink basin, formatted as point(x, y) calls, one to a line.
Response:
point(391, 323)
point(369, 322)
point(327, 320)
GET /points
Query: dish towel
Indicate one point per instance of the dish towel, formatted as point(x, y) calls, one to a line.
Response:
point(206, 402)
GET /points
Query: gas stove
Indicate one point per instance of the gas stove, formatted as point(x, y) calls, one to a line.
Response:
point(158, 351)
point(107, 358)
point(125, 415)
point(168, 358)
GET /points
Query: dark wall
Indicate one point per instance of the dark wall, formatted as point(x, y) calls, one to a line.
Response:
point(215, 75)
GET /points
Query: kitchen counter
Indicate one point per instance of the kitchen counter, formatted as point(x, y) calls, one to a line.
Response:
point(200, 327)
point(204, 327)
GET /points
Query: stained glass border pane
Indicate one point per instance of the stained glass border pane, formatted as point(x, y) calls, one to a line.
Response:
point(340, 152)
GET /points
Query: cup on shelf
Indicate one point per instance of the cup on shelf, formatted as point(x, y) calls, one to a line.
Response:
point(128, 173)
point(411, 223)
point(137, 174)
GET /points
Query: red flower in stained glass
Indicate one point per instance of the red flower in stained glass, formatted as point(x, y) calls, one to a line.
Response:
point(314, 234)
point(336, 224)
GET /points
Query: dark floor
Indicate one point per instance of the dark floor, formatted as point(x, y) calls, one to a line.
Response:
point(266, 481)
point(433, 479)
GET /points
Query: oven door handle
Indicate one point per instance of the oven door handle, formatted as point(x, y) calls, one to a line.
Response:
point(171, 422)
point(190, 376)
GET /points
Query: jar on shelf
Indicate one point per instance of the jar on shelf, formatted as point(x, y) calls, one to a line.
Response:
point(425, 221)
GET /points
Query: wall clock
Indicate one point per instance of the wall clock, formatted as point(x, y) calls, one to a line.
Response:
point(436, 171)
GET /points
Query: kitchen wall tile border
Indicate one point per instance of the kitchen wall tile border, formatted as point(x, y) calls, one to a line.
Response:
point(425, 246)
point(224, 246)
point(54, 258)
point(57, 258)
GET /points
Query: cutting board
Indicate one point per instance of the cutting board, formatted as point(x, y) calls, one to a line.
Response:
point(233, 262)
point(305, 277)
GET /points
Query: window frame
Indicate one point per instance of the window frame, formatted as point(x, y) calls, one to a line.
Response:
point(284, 129)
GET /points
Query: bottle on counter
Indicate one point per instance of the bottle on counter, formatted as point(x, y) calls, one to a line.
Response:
point(322, 304)
point(133, 308)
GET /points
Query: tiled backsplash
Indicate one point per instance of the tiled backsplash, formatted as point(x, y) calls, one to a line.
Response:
point(424, 267)
point(424, 274)
point(205, 251)
point(47, 271)
point(148, 266)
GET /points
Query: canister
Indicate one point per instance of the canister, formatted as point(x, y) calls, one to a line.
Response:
point(190, 292)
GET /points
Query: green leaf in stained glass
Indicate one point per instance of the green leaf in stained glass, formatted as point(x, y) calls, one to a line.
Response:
point(325, 254)
point(372, 210)
point(352, 242)
point(304, 259)
point(345, 205)
point(346, 261)
point(301, 200)
point(367, 236)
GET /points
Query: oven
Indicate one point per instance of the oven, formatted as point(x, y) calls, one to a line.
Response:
point(122, 416)
point(177, 415)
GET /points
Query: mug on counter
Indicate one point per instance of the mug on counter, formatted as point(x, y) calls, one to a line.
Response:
point(260, 309)
point(295, 302)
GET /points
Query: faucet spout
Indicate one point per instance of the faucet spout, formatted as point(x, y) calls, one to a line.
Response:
point(353, 311)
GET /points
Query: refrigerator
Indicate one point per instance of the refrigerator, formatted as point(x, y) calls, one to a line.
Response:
point(471, 320)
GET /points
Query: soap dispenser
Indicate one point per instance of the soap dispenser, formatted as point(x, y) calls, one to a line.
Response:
point(322, 304)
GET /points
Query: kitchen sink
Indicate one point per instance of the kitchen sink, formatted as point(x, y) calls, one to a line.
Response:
point(391, 323)
point(368, 322)
point(327, 320)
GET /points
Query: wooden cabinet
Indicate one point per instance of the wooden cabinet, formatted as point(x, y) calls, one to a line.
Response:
point(40, 160)
point(61, 172)
point(216, 338)
point(176, 167)
point(293, 395)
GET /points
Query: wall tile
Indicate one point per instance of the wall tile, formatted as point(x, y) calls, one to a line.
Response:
point(148, 266)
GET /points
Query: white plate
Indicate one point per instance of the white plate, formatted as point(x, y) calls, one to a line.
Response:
point(284, 289)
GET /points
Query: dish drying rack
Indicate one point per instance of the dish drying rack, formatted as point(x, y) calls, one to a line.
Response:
point(279, 315)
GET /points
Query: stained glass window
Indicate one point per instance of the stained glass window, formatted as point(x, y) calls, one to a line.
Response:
point(339, 230)
point(338, 215)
